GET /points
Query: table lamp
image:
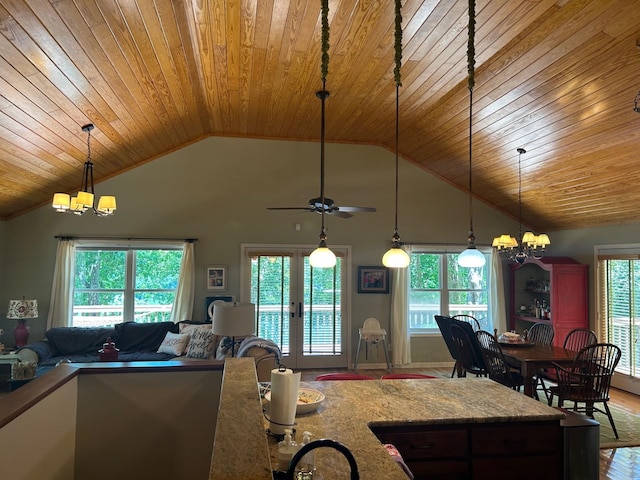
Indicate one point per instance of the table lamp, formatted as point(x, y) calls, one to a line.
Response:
point(234, 320)
point(21, 310)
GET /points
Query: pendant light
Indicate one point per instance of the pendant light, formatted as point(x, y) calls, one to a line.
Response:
point(323, 257)
point(471, 257)
point(85, 199)
point(531, 245)
point(396, 257)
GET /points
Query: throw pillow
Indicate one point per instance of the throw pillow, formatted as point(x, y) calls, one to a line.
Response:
point(202, 344)
point(174, 343)
point(190, 328)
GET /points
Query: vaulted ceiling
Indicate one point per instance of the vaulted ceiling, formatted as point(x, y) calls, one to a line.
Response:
point(557, 77)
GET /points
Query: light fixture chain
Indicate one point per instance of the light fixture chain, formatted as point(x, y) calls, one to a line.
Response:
point(324, 69)
point(398, 80)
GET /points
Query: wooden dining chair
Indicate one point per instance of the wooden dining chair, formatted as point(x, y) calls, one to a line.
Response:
point(576, 340)
point(497, 367)
point(588, 380)
point(541, 332)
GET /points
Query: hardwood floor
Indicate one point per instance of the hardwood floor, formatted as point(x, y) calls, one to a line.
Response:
point(615, 463)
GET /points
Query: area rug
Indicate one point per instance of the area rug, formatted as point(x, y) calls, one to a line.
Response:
point(627, 424)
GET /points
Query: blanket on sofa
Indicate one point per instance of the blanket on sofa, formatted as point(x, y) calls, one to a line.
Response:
point(252, 341)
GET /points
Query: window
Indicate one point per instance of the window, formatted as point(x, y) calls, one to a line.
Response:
point(619, 308)
point(114, 283)
point(439, 286)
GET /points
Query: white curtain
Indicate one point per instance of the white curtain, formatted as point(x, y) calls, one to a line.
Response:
point(60, 308)
point(497, 300)
point(401, 340)
point(185, 294)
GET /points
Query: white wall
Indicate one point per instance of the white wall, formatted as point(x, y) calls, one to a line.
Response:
point(217, 191)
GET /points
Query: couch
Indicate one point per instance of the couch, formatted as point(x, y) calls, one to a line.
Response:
point(146, 342)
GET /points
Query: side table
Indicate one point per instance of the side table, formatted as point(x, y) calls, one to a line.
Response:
point(8, 358)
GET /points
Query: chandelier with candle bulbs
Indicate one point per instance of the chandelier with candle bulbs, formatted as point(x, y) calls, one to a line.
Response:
point(530, 245)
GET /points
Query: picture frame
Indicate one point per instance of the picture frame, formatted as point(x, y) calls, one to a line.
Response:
point(373, 279)
point(216, 277)
point(208, 305)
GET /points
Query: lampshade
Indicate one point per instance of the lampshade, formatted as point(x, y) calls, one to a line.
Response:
point(22, 309)
point(234, 319)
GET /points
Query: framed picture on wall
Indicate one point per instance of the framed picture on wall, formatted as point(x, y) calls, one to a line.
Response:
point(208, 305)
point(373, 280)
point(216, 277)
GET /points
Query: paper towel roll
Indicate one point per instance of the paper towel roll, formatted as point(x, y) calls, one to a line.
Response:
point(284, 398)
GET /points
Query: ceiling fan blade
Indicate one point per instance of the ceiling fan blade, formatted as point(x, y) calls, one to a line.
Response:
point(357, 209)
point(290, 208)
point(339, 214)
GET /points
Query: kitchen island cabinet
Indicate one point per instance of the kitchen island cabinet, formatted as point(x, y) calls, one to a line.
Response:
point(496, 429)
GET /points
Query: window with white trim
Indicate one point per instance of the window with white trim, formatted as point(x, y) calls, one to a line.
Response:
point(439, 286)
point(115, 283)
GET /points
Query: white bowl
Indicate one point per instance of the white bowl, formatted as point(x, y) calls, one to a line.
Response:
point(308, 400)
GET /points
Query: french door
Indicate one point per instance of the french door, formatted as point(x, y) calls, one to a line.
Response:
point(301, 308)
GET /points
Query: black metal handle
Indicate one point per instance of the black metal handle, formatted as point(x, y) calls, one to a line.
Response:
point(300, 309)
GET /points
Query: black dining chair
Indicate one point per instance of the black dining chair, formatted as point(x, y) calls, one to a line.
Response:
point(470, 319)
point(576, 340)
point(588, 380)
point(541, 332)
point(497, 367)
point(470, 357)
point(444, 324)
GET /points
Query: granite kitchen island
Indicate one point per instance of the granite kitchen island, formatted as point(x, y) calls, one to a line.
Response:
point(464, 427)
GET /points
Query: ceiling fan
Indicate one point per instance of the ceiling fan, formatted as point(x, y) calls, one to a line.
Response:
point(330, 208)
point(324, 204)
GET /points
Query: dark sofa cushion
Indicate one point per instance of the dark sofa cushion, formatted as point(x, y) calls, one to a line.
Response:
point(77, 340)
point(142, 337)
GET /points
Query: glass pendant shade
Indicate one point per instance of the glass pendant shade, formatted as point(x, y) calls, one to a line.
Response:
point(396, 257)
point(322, 257)
point(471, 257)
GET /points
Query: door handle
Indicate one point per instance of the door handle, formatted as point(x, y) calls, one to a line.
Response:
point(300, 309)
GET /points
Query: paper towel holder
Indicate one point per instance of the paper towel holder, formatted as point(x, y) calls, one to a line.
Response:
point(281, 368)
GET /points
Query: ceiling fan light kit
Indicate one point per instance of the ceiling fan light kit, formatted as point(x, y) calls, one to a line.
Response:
point(471, 256)
point(396, 257)
point(531, 245)
point(85, 198)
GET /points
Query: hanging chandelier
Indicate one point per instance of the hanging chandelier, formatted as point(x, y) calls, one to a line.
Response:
point(85, 199)
point(396, 257)
point(323, 257)
point(531, 245)
point(471, 256)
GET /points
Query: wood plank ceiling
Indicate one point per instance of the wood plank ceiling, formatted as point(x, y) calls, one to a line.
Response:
point(557, 77)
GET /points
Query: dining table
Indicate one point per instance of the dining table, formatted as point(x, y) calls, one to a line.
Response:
point(529, 359)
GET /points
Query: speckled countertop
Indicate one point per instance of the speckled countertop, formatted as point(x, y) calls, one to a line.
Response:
point(242, 449)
